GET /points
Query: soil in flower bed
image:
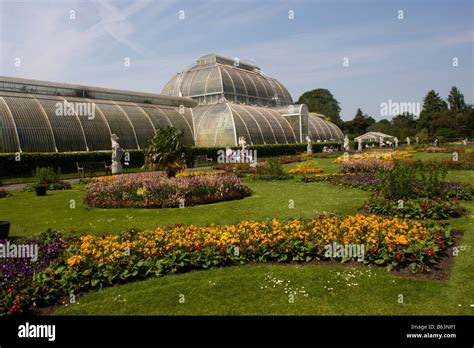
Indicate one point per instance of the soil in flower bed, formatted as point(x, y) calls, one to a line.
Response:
point(155, 190)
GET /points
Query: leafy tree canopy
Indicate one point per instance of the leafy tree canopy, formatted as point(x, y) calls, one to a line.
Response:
point(323, 102)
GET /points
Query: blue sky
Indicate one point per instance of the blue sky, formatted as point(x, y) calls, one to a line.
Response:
point(389, 58)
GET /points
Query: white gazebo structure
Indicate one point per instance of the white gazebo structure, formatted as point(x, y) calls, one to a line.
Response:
point(375, 136)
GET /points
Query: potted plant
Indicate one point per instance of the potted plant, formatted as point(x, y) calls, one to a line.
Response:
point(4, 229)
point(167, 151)
point(40, 188)
point(44, 176)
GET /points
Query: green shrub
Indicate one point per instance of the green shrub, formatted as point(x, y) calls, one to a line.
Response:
point(271, 170)
point(46, 175)
point(411, 181)
point(420, 208)
point(12, 165)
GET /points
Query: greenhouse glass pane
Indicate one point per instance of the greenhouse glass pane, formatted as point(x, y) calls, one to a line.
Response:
point(141, 123)
point(8, 138)
point(213, 84)
point(33, 130)
point(66, 128)
point(198, 84)
point(157, 117)
point(119, 124)
point(238, 82)
point(227, 82)
point(252, 126)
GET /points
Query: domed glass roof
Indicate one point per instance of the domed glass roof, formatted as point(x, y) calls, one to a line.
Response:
point(214, 77)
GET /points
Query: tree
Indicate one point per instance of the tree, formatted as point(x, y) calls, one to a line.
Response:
point(404, 125)
point(453, 124)
point(432, 103)
point(167, 150)
point(359, 124)
point(382, 126)
point(323, 102)
point(456, 100)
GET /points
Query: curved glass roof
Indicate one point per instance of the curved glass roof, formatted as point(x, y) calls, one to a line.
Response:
point(223, 123)
point(214, 77)
point(323, 130)
point(30, 123)
point(235, 100)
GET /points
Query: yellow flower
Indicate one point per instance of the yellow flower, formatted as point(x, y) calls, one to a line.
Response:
point(74, 260)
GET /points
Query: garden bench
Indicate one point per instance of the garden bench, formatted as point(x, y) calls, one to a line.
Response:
point(202, 158)
point(91, 168)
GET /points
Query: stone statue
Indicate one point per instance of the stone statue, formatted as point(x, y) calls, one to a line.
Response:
point(346, 143)
point(117, 153)
point(436, 142)
point(381, 141)
point(396, 141)
point(359, 144)
point(417, 140)
point(309, 147)
point(408, 141)
point(244, 146)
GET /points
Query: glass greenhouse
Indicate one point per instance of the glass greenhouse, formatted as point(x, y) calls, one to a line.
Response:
point(215, 101)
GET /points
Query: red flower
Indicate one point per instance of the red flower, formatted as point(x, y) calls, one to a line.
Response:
point(375, 250)
point(430, 253)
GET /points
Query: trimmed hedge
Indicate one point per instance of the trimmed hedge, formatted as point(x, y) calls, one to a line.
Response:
point(10, 167)
point(268, 150)
point(28, 162)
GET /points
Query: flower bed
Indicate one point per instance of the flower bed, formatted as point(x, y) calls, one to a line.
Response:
point(364, 181)
point(96, 261)
point(237, 168)
point(16, 274)
point(270, 170)
point(463, 164)
point(155, 190)
point(305, 168)
point(295, 159)
point(376, 155)
point(364, 166)
point(369, 181)
point(195, 173)
point(4, 193)
point(419, 208)
point(86, 181)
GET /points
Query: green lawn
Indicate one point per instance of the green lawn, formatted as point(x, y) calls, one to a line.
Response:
point(30, 214)
point(320, 290)
point(74, 175)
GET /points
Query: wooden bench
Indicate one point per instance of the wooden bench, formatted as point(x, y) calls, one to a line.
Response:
point(90, 168)
point(201, 159)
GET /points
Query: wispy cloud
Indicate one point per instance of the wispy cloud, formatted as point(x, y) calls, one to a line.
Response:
point(387, 57)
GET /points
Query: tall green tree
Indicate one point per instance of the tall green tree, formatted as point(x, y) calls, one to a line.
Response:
point(432, 103)
point(456, 100)
point(323, 102)
point(359, 124)
point(404, 125)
